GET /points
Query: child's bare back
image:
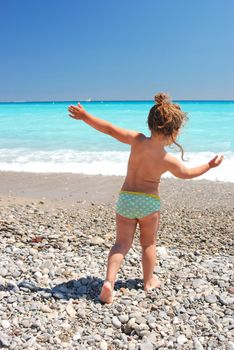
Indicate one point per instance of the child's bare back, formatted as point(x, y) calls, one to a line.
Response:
point(145, 166)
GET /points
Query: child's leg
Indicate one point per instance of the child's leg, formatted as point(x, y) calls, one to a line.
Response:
point(149, 228)
point(125, 232)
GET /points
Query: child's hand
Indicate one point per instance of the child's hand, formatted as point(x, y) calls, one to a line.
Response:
point(216, 161)
point(77, 112)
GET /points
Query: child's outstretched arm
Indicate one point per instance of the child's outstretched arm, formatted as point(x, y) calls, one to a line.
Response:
point(179, 170)
point(125, 136)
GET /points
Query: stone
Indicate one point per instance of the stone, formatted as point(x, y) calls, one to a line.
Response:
point(199, 283)
point(45, 308)
point(225, 299)
point(116, 323)
point(146, 345)
point(230, 345)
point(103, 345)
point(231, 290)
point(70, 310)
point(96, 241)
point(181, 339)
point(123, 318)
point(27, 285)
point(5, 324)
point(197, 345)
point(3, 272)
point(131, 346)
point(211, 298)
point(4, 340)
point(162, 253)
point(76, 336)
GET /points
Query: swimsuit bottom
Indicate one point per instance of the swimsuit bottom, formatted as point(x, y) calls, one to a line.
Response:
point(136, 205)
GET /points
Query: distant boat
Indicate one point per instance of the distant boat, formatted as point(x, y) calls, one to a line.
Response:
point(88, 100)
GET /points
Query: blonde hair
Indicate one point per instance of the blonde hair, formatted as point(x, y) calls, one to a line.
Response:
point(166, 118)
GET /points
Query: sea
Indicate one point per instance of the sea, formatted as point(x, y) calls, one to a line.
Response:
point(41, 137)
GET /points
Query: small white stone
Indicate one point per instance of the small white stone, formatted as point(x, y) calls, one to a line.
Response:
point(230, 345)
point(175, 320)
point(162, 253)
point(181, 339)
point(197, 345)
point(76, 336)
point(170, 344)
point(38, 274)
point(103, 345)
point(210, 298)
point(66, 326)
point(5, 324)
point(116, 322)
point(96, 241)
point(45, 308)
point(123, 318)
point(70, 310)
point(45, 271)
point(146, 345)
point(131, 346)
point(65, 344)
point(4, 340)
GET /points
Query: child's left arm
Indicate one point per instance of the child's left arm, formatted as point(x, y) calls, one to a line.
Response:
point(179, 170)
point(123, 135)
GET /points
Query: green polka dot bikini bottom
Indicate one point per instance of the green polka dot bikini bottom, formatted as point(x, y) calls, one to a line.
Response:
point(136, 205)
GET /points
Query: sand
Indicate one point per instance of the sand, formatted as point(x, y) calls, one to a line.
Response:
point(71, 189)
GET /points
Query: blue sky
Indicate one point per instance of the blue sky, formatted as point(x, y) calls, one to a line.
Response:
point(107, 49)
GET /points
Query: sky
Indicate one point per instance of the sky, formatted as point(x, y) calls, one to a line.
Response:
point(116, 50)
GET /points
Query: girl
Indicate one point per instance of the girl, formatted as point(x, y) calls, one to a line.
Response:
point(139, 201)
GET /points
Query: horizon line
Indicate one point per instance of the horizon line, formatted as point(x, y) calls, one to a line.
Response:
point(121, 100)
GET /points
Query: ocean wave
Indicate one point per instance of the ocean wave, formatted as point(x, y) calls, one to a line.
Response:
point(104, 163)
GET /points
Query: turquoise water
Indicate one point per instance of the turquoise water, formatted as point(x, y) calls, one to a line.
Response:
point(42, 137)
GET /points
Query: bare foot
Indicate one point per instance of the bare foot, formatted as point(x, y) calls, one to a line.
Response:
point(151, 284)
point(106, 295)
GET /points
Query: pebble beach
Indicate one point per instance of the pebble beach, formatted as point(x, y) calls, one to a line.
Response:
point(56, 231)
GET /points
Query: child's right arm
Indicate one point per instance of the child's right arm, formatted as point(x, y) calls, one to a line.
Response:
point(122, 135)
point(179, 170)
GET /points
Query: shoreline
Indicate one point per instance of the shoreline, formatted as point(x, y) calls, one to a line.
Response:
point(69, 189)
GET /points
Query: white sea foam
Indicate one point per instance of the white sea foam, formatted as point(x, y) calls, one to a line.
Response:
point(105, 163)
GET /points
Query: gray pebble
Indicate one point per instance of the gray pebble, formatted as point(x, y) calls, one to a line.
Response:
point(230, 345)
point(146, 345)
point(4, 340)
point(181, 339)
point(226, 300)
point(116, 323)
point(3, 272)
point(27, 285)
point(199, 283)
point(197, 345)
point(123, 318)
point(211, 298)
point(103, 345)
point(5, 324)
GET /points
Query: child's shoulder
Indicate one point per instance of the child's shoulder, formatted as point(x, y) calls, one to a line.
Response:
point(170, 158)
point(138, 141)
point(140, 137)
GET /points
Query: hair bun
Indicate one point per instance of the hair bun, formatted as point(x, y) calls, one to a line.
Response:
point(161, 97)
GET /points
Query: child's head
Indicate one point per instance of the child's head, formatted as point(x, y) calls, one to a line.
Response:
point(166, 118)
